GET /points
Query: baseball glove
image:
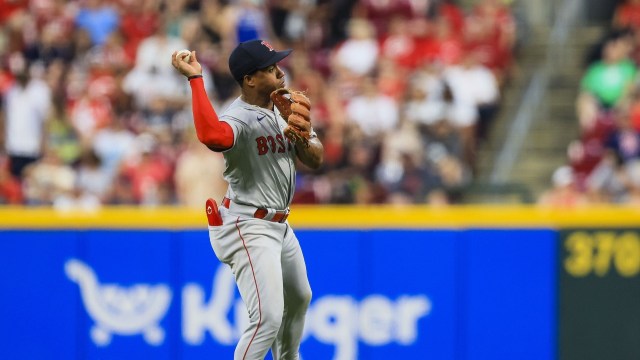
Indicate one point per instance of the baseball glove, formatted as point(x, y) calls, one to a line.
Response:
point(295, 108)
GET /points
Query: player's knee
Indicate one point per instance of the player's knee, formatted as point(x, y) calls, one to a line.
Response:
point(272, 318)
point(305, 298)
point(302, 299)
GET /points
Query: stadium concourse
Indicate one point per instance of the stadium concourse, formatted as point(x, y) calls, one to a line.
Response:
point(402, 91)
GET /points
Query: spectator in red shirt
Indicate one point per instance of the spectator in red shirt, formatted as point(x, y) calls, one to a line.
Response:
point(139, 21)
point(150, 174)
point(10, 188)
point(379, 12)
point(399, 45)
point(627, 14)
point(450, 45)
point(9, 8)
point(490, 30)
point(449, 11)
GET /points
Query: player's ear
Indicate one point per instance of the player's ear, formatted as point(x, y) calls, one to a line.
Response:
point(249, 80)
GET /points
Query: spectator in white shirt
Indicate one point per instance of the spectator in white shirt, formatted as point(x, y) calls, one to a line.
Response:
point(374, 113)
point(359, 53)
point(473, 87)
point(27, 104)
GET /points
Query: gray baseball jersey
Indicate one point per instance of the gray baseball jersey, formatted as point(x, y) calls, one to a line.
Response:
point(260, 167)
point(265, 256)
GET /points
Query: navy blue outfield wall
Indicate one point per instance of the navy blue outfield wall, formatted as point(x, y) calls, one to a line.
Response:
point(377, 294)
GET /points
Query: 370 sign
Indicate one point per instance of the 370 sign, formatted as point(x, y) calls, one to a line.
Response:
point(602, 252)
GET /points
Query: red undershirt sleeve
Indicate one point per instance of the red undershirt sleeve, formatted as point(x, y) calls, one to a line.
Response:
point(215, 134)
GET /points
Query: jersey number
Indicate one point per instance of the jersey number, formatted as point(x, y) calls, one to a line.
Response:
point(276, 144)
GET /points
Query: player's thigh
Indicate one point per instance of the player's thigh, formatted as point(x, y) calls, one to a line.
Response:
point(257, 265)
point(224, 241)
point(294, 270)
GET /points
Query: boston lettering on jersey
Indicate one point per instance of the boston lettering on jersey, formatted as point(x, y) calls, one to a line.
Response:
point(274, 143)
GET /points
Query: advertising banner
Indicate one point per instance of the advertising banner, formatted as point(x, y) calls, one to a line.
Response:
point(377, 294)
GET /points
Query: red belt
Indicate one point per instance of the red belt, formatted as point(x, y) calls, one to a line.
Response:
point(280, 216)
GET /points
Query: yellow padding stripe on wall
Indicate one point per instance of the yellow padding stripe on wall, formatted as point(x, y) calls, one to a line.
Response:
point(331, 217)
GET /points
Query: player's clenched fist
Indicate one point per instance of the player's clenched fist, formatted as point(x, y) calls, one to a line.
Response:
point(186, 63)
point(295, 108)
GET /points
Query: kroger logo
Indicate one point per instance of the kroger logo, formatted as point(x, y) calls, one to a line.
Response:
point(337, 320)
point(119, 310)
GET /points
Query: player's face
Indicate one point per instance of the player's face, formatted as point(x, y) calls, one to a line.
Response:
point(269, 79)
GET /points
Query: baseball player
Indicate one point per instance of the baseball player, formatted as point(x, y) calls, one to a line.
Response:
point(249, 230)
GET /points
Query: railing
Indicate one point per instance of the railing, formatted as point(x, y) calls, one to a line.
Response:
point(566, 20)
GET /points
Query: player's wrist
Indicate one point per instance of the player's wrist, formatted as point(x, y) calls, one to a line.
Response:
point(191, 77)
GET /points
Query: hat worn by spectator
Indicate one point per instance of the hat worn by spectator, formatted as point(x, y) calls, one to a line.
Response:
point(563, 176)
point(253, 55)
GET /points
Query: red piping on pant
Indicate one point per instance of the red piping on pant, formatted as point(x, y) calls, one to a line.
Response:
point(257, 292)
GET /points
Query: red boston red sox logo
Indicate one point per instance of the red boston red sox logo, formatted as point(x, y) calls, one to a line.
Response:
point(268, 45)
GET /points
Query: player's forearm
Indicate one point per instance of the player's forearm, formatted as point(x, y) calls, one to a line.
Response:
point(312, 155)
point(212, 132)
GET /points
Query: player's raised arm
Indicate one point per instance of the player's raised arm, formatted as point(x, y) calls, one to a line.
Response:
point(215, 134)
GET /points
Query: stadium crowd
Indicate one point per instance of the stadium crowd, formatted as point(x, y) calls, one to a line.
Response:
point(93, 113)
point(603, 164)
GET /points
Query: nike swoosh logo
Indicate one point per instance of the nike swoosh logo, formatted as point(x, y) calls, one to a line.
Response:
point(260, 118)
